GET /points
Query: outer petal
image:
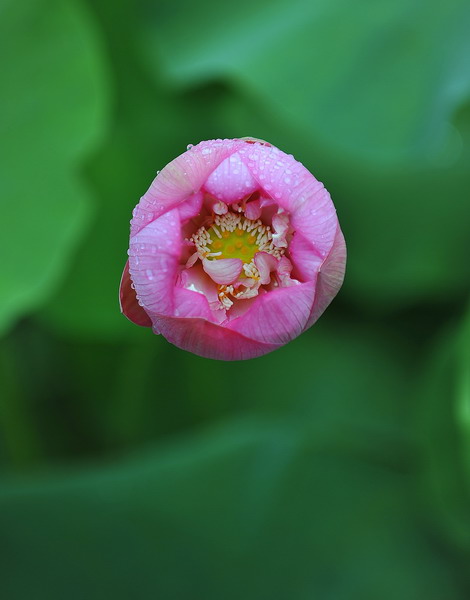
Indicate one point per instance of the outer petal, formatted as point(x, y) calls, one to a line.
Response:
point(223, 271)
point(330, 278)
point(277, 316)
point(128, 301)
point(180, 179)
point(191, 207)
point(154, 255)
point(296, 190)
point(210, 340)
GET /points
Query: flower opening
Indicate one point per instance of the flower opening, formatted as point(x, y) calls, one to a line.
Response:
point(235, 250)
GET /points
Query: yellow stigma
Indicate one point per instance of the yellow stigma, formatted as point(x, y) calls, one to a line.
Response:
point(233, 235)
point(233, 244)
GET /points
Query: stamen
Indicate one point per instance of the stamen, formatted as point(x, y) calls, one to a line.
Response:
point(235, 236)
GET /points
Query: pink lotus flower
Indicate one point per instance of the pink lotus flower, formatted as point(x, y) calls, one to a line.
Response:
point(235, 250)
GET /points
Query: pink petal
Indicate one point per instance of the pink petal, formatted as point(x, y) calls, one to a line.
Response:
point(209, 340)
point(190, 304)
point(277, 316)
point(280, 229)
point(330, 277)
point(265, 263)
point(180, 179)
point(192, 260)
point(284, 269)
point(128, 301)
point(217, 206)
point(224, 270)
point(296, 190)
point(306, 258)
point(154, 255)
point(253, 209)
point(231, 180)
point(191, 207)
point(316, 219)
point(196, 280)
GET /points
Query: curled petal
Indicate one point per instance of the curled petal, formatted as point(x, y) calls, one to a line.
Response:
point(284, 269)
point(196, 280)
point(306, 257)
point(223, 271)
point(253, 209)
point(265, 263)
point(192, 260)
point(330, 277)
point(280, 229)
point(128, 302)
point(219, 208)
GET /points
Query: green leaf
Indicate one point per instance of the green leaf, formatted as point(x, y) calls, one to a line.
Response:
point(382, 80)
point(53, 113)
point(249, 510)
point(443, 425)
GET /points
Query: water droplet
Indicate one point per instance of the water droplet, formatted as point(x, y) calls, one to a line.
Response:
point(149, 274)
point(189, 146)
point(206, 151)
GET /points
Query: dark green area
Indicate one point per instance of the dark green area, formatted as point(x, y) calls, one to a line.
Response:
point(336, 468)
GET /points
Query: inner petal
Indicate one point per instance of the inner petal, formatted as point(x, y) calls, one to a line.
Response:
point(231, 180)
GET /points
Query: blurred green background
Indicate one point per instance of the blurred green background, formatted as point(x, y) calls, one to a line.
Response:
point(336, 468)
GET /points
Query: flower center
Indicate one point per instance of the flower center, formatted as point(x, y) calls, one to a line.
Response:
point(232, 244)
point(234, 236)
